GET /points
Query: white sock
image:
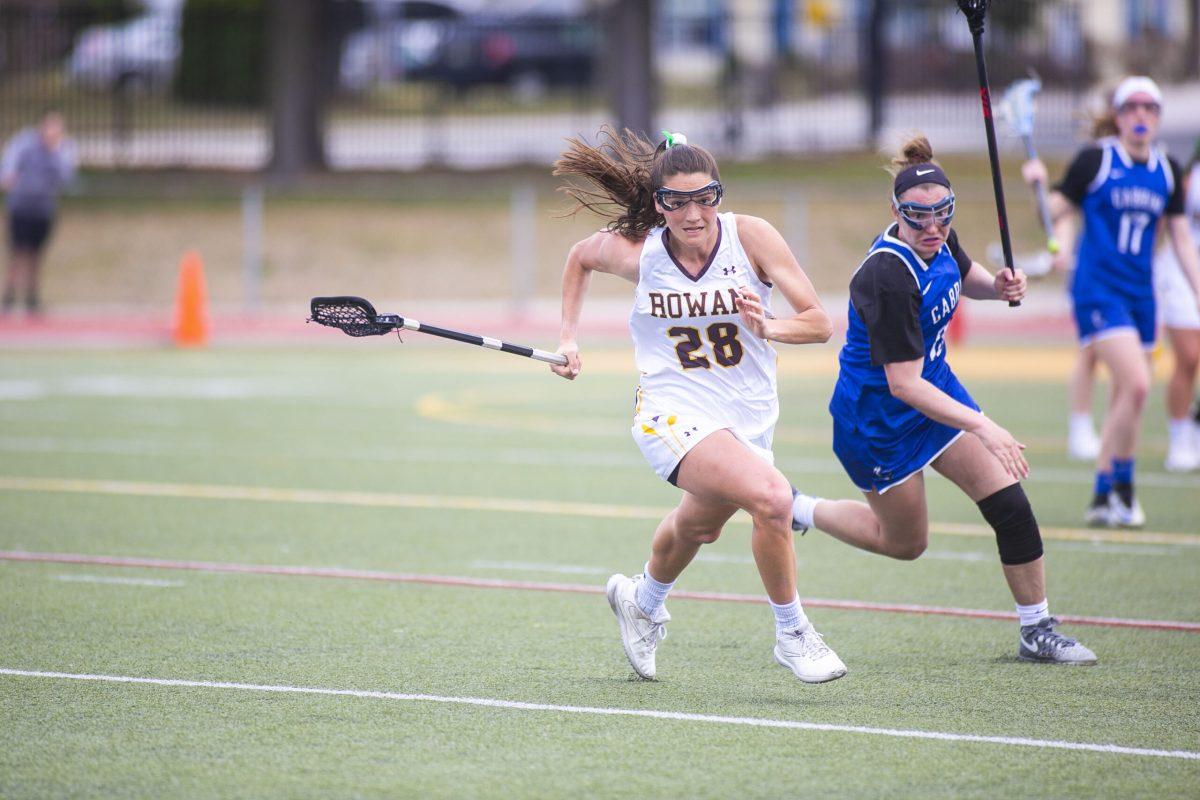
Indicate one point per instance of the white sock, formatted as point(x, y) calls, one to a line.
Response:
point(789, 616)
point(1179, 430)
point(803, 508)
point(1082, 420)
point(651, 594)
point(1032, 615)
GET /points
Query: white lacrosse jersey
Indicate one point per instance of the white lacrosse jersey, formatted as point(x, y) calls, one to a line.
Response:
point(695, 356)
point(1176, 301)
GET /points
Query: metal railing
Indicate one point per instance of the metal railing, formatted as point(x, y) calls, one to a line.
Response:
point(169, 91)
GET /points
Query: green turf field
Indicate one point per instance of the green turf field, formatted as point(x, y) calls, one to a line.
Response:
point(432, 460)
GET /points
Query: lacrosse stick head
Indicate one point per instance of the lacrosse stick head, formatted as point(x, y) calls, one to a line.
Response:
point(353, 315)
point(976, 13)
point(1018, 105)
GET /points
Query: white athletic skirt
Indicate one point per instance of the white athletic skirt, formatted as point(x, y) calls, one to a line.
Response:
point(665, 439)
point(1176, 301)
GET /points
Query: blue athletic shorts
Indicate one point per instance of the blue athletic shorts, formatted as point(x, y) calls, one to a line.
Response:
point(1100, 317)
point(878, 454)
point(28, 231)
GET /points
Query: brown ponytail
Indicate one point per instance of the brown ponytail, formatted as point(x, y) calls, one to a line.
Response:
point(917, 150)
point(623, 171)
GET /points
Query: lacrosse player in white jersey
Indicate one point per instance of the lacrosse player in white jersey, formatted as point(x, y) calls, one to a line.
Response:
point(707, 402)
point(1179, 314)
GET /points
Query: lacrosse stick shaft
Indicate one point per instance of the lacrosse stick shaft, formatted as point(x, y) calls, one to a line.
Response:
point(1043, 207)
point(485, 341)
point(993, 152)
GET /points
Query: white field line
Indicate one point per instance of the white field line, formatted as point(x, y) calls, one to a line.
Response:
point(117, 581)
point(496, 504)
point(570, 588)
point(719, 558)
point(951, 555)
point(143, 447)
point(712, 719)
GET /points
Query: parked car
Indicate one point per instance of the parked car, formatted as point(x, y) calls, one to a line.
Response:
point(142, 51)
point(529, 53)
point(400, 43)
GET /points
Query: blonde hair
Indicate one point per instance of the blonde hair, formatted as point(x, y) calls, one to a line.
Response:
point(621, 174)
point(1103, 121)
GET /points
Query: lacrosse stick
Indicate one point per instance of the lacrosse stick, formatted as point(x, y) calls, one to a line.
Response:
point(1018, 106)
point(356, 317)
point(976, 13)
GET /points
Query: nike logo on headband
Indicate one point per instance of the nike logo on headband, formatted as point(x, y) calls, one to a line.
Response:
point(926, 172)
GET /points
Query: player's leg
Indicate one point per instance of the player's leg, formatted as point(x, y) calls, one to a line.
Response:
point(893, 524)
point(33, 302)
point(1124, 355)
point(723, 471)
point(1082, 442)
point(1007, 510)
point(1183, 448)
point(14, 276)
point(639, 602)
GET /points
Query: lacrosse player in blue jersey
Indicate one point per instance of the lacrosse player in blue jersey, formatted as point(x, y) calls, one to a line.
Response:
point(1123, 185)
point(898, 408)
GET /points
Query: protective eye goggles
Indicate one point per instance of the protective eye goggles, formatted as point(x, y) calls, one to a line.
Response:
point(919, 215)
point(1130, 106)
point(674, 199)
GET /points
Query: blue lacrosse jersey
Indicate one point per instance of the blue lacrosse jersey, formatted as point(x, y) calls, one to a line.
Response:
point(880, 439)
point(1121, 207)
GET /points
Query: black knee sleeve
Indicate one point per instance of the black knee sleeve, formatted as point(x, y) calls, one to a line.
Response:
point(1011, 517)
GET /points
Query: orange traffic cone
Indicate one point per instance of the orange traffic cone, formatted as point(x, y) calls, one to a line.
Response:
point(191, 303)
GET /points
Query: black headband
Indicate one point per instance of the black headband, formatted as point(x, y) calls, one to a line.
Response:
point(918, 174)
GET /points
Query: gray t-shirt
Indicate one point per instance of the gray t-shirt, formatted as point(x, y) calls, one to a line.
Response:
point(36, 174)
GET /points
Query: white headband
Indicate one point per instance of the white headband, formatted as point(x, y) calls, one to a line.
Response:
point(1136, 84)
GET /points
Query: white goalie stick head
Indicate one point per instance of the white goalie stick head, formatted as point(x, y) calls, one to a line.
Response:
point(1019, 105)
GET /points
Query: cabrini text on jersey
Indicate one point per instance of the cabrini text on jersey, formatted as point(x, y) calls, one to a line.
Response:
point(1137, 197)
point(940, 311)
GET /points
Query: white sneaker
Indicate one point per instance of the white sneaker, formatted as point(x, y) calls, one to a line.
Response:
point(1099, 514)
point(1183, 452)
point(1182, 457)
point(1082, 443)
point(805, 653)
point(640, 634)
point(1124, 516)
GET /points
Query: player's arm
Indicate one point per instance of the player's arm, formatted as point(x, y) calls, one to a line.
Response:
point(906, 384)
point(1066, 198)
point(8, 163)
point(775, 264)
point(978, 283)
point(603, 251)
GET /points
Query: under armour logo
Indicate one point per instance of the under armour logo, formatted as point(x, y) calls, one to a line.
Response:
point(728, 270)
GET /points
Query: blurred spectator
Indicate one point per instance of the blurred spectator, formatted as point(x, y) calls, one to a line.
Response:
point(36, 164)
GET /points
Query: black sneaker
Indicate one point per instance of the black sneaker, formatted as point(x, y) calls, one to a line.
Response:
point(1042, 643)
